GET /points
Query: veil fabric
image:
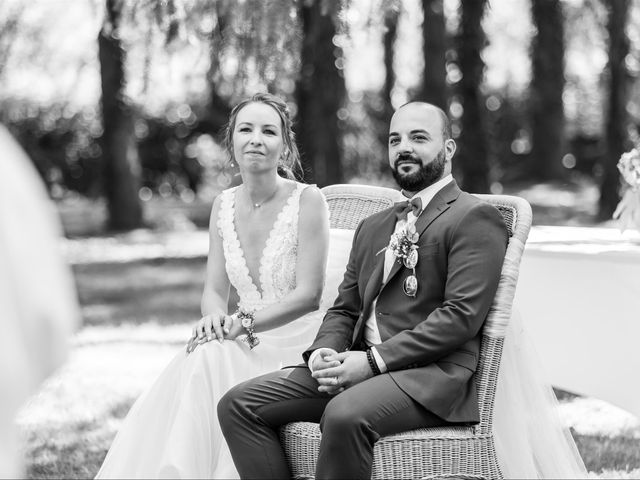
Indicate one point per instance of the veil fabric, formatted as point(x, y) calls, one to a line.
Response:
point(38, 304)
point(531, 440)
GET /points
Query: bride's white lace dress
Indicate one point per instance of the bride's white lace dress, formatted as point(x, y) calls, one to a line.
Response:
point(172, 430)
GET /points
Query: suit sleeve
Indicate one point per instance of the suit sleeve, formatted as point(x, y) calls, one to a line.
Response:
point(337, 327)
point(475, 257)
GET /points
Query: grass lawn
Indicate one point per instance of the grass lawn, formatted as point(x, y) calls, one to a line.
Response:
point(140, 294)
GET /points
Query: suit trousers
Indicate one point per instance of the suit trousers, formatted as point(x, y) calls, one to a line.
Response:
point(251, 413)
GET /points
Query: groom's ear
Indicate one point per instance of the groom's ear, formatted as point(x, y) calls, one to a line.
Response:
point(449, 148)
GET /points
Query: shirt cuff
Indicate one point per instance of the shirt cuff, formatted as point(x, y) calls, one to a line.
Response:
point(381, 365)
point(312, 357)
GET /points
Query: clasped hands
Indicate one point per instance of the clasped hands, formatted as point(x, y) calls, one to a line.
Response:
point(214, 326)
point(335, 371)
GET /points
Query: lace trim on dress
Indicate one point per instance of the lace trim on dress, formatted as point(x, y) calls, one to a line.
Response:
point(282, 241)
point(235, 263)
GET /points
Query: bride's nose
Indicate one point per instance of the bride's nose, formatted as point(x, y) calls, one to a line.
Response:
point(256, 138)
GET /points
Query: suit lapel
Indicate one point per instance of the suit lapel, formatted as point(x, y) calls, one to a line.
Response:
point(385, 227)
point(439, 204)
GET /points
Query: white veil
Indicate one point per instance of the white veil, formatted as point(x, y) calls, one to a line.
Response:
point(531, 440)
point(38, 305)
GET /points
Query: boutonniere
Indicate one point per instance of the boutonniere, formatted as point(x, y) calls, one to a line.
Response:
point(403, 245)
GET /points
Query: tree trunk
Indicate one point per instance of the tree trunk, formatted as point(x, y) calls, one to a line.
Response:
point(616, 114)
point(320, 92)
point(119, 149)
point(388, 41)
point(547, 85)
point(218, 108)
point(434, 83)
point(383, 117)
point(472, 158)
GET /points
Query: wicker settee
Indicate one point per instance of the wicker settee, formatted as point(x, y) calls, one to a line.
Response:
point(462, 452)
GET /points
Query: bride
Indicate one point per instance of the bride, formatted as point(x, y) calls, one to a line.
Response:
point(265, 274)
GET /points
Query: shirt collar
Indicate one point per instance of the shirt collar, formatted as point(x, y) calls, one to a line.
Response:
point(427, 194)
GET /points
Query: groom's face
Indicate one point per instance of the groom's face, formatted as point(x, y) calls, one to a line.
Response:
point(419, 154)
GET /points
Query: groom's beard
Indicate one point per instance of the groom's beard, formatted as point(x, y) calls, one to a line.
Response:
point(427, 174)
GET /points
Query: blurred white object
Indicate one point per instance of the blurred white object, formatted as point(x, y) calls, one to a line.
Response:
point(579, 292)
point(38, 304)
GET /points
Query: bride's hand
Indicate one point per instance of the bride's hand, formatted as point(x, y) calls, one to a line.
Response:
point(208, 328)
point(232, 327)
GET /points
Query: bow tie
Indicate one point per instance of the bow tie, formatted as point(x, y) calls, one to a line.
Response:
point(402, 209)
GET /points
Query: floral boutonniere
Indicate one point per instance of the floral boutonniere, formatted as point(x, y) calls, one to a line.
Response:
point(628, 210)
point(403, 245)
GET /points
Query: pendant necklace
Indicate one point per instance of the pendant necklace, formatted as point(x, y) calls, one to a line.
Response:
point(260, 204)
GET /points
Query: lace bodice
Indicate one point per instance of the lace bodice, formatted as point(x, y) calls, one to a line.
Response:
point(277, 272)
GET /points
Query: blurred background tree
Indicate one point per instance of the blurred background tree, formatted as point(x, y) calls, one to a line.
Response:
point(320, 91)
point(616, 130)
point(434, 41)
point(546, 90)
point(118, 142)
point(539, 90)
point(472, 158)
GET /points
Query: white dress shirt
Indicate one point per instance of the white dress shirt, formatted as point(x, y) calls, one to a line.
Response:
point(371, 333)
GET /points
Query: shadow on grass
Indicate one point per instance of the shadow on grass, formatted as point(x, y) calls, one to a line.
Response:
point(164, 291)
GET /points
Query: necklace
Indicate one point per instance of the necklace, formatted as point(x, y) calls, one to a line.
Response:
point(260, 204)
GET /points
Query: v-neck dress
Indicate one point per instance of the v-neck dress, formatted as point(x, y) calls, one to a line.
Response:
point(172, 430)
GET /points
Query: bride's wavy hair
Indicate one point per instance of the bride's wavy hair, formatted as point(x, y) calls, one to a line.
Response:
point(289, 165)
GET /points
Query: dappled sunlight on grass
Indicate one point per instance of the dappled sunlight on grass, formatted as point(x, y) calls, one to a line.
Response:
point(71, 422)
point(95, 379)
point(591, 416)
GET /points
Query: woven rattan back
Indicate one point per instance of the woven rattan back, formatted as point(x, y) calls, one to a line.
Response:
point(349, 204)
point(517, 216)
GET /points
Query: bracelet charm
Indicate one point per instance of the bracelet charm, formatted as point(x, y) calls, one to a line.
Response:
point(247, 320)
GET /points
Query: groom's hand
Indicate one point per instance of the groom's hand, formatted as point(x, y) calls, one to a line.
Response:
point(321, 360)
point(353, 369)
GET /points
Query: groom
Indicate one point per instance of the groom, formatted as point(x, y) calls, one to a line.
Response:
point(398, 349)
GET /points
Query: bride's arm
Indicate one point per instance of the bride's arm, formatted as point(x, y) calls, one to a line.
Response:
point(216, 286)
point(313, 247)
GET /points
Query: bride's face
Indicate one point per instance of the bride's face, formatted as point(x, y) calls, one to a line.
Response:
point(257, 138)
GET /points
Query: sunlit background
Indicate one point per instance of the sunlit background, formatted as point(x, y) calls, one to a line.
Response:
point(171, 72)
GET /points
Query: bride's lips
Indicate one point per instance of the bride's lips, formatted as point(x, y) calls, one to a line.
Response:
point(253, 152)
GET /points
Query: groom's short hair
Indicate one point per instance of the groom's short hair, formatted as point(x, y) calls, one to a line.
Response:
point(446, 122)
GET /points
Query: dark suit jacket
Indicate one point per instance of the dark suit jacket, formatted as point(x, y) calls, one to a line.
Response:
point(431, 342)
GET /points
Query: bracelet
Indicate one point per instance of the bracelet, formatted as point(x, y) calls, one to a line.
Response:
point(372, 363)
point(247, 320)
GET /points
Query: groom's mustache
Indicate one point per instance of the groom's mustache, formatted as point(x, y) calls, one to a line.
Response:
point(404, 158)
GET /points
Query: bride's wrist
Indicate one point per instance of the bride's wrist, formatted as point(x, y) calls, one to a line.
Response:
point(247, 321)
